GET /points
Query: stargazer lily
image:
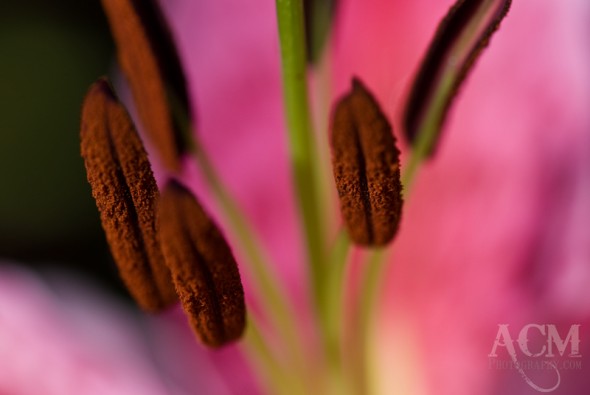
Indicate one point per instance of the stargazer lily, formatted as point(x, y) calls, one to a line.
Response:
point(450, 255)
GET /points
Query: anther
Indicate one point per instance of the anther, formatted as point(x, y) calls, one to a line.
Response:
point(366, 168)
point(126, 195)
point(149, 60)
point(203, 268)
point(459, 40)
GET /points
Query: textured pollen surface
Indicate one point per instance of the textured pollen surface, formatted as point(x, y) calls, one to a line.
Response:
point(149, 61)
point(203, 268)
point(366, 168)
point(126, 196)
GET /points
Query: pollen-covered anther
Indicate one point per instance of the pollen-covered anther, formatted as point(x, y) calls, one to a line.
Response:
point(203, 268)
point(126, 195)
point(459, 40)
point(149, 61)
point(366, 168)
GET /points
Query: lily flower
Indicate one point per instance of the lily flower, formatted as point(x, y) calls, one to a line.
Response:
point(492, 237)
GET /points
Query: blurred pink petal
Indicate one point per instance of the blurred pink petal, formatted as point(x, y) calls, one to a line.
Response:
point(63, 337)
point(69, 340)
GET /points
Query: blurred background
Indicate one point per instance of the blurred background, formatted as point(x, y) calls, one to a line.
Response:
point(50, 52)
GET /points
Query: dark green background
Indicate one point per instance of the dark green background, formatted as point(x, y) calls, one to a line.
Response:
point(50, 52)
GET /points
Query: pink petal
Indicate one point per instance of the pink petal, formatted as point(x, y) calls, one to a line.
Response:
point(69, 340)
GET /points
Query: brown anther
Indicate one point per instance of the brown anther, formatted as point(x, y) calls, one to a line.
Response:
point(366, 168)
point(126, 195)
point(148, 58)
point(203, 268)
point(459, 40)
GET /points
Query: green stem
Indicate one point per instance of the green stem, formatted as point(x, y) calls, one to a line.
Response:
point(333, 310)
point(374, 273)
point(303, 152)
point(376, 262)
point(276, 378)
point(273, 301)
point(334, 290)
point(427, 135)
point(321, 97)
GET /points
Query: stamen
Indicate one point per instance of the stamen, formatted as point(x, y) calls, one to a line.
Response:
point(149, 60)
point(126, 195)
point(203, 268)
point(366, 168)
point(459, 40)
